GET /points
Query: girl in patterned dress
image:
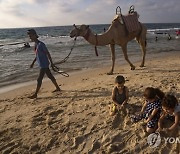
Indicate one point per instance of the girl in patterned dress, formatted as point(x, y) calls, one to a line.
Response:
point(151, 109)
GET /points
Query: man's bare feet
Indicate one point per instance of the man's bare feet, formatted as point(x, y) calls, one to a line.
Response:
point(57, 90)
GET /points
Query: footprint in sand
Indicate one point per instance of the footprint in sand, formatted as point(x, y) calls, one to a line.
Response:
point(9, 147)
point(56, 113)
point(7, 144)
point(38, 120)
point(79, 140)
point(96, 145)
point(46, 109)
point(117, 121)
point(51, 118)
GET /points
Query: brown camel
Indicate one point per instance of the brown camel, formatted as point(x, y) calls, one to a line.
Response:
point(116, 34)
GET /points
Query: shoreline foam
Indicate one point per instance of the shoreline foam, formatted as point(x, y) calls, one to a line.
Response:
point(136, 62)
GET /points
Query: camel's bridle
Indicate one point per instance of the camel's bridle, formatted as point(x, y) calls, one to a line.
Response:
point(86, 36)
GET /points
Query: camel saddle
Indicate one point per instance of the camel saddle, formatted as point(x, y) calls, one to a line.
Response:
point(131, 21)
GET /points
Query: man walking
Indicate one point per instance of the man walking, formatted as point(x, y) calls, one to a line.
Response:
point(43, 58)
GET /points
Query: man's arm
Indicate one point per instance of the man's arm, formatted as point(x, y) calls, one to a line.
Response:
point(31, 66)
point(49, 57)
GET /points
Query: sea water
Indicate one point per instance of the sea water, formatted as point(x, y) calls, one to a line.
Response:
point(15, 59)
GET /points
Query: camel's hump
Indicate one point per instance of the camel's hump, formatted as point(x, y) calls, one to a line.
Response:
point(119, 18)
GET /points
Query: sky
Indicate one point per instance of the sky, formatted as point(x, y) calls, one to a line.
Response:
point(41, 13)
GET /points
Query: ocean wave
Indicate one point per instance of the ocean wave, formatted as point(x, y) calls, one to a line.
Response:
point(162, 29)
point(15, 60)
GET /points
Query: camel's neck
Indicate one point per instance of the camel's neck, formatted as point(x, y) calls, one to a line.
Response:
point(99, 40)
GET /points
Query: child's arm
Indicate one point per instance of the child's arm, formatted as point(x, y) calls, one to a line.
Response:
point(144, 107)
point(114, 97)
point(152, 115)
point(161, 120)
point(177, 119)
point(127, 96)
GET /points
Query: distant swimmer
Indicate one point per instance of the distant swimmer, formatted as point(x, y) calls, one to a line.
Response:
point(169, 37)
point(156, 38)
point(26, 45)
point(178, 32)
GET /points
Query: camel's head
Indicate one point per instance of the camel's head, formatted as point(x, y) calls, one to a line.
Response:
point(79, 31)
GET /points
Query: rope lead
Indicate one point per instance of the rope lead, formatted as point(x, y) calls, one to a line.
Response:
point(56, 69)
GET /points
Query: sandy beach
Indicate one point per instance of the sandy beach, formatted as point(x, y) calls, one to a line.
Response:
point(77, 120)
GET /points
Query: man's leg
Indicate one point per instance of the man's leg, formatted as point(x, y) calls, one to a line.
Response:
point(50, 76)
point(39, 83)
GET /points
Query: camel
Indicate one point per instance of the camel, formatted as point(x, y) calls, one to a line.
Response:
point(116, 34)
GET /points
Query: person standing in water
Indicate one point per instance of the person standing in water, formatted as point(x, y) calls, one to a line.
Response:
point(43, 58)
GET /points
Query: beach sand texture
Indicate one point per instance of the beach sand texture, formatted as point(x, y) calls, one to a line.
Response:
point(77, 119)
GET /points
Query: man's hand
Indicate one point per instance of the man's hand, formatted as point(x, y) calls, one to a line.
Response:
point(52, 65)
point(31, 66)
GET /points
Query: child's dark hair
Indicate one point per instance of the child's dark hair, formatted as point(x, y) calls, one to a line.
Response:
point(120, 79)
point(169, 101)
point(151, 93)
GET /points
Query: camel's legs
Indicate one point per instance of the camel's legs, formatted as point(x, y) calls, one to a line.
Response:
point(143, 49)
point(112, 47)
point(142, 42)
point(124, 48)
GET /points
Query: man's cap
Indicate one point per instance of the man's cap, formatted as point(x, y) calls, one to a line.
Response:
point(32, 31)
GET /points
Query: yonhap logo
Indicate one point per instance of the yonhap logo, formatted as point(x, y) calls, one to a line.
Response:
point(154, 140)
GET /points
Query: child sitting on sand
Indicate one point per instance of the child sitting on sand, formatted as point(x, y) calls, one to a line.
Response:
point(151, 109)
point(120, 95)
point(170, 108)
